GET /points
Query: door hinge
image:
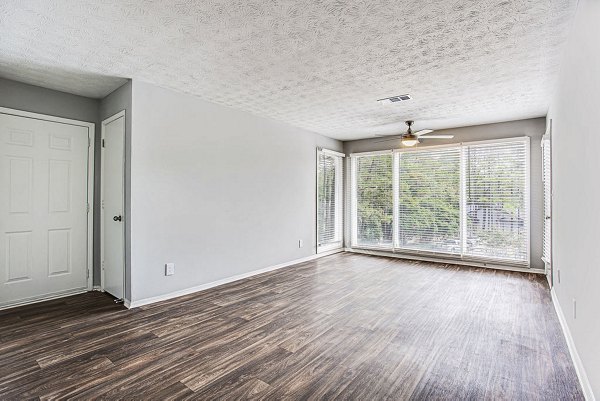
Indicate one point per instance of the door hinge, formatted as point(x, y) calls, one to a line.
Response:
point(103, 143)
point(87, 274)
point(88, 207)
point(89, 141)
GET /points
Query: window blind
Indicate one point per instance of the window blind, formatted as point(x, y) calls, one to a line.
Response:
point(429, 200)
point(329, 200)
point(497, 222)
point(469, 201)
point(547, 177)
point(373, 200)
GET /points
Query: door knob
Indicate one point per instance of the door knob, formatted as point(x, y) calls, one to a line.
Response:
point(117, 218)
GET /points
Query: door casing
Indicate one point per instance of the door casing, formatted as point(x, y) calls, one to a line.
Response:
point(90, 192)
point(102, 196)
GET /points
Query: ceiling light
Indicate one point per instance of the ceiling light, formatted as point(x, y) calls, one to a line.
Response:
point(410, 140)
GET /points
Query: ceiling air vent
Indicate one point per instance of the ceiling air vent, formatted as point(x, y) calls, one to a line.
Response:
point(394, 99)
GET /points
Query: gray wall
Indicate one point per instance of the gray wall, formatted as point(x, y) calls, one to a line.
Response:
point(533, 128)
point(216, 191)
point(118, 100)
point(576, 186)
point(35, 99)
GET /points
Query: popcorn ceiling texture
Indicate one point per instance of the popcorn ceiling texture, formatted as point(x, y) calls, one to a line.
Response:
point(315, 64)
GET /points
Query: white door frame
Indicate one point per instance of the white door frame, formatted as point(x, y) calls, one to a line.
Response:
point(90, 182)
point(102, 177)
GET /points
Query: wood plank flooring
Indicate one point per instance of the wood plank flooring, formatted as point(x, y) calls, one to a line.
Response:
point(345, 326)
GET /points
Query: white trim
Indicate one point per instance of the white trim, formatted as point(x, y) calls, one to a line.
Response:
point(395, 199)
point(42, 298)
point(202, 287)
point(448, 145)
point(90, 180)
point(45, 117)
point(102, 178)
point(339, 195)
point(353, 203)
point(373, 153)
point(527, 141)
point(331, 152)
point(463, 262)
point(581, 374)
point(330, 247)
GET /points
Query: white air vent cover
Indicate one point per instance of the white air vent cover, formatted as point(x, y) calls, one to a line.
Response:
point(394, 99)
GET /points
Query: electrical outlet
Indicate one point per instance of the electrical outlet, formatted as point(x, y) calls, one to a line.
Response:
point(169, 269)
point(300, 243)
point(558, 275)
point(574, 308)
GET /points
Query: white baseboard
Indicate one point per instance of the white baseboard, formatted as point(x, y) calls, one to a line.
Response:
point(583, 379)
point(42, 298)
point(446, 261)
point(202, 287)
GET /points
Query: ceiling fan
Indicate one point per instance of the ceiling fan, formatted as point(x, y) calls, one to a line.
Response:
point(410, 138)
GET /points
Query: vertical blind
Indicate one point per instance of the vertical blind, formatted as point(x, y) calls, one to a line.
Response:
point(329, 200)
point(469, 201)
point(547, 177)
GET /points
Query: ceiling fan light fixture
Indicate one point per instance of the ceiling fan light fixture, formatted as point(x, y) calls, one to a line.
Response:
point(410, 140)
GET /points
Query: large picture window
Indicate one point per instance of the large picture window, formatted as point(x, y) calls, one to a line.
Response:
point(468, 201)
point(329, 200)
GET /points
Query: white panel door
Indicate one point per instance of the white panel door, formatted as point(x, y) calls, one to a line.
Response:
point(43, 208)
point(113, 137)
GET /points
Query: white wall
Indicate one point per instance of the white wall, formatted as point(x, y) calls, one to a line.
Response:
point(217, 191)
point(533, 128)
point(576, 179)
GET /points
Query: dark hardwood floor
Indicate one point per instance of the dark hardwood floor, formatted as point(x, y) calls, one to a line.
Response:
point(346, 326)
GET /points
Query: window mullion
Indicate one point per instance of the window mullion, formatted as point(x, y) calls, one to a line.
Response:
point(463, 200)
point(396, 199)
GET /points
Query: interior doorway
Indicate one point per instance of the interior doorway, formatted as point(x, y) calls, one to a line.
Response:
point(46, 208)
point(113, 219)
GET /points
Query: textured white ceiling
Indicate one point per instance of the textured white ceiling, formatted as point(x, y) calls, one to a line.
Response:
point(316, 64)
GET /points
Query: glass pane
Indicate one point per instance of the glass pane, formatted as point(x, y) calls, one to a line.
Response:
point(326, 200)
point(374, 200)
point(497, 214)
point(429, 201)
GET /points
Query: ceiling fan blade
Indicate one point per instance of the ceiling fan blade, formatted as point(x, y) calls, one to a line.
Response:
point(388, 136)
point(423, 132)
point(437, 137)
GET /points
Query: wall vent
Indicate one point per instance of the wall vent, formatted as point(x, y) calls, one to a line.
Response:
point(394, 99)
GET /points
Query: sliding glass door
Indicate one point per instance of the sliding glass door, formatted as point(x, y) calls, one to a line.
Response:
point(469, 201)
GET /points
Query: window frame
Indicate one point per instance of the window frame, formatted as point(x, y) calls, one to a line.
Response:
point(463, 226)
point(339, 201)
